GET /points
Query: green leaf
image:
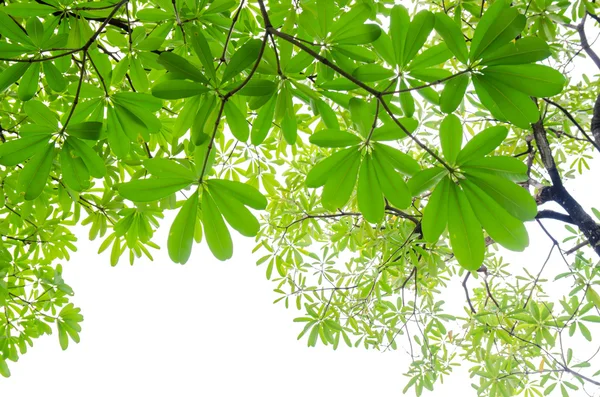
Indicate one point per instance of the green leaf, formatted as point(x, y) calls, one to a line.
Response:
point(432, 56)
point(177, 89)
point(399, 24)
point(360, 54)
point(11, 50)
point(237, 121)
point(117, 139)
point(466, 236)
point(145, 190)
point(55, 79)
point(132, 100)
point(593, 297)
point(41, 114)
point(11, 74)
point(435, 213)
point(372, 72)
point(242, 192)
point(502, 227)
point(320, 173)
point(181, 234)
point(263, 121)
point(392, 132)
point(430, 75)
point(4, 370)
point(522, 51)
point(428, 93)
point(288, 125)
point(16, 151)
point(215, 230)
point(34, 175)
point(202, 50)
point(407, 102)
point(28, 9)
point(93, 162)
point(167, 168)
point(453, 93)
point(234, 212)
point(363, 34)
point(29, 83)
point(208, 104)
point(483, 143)
point(593, 319)
point(505, 102)
point(452, 35)
point(219, 6)
point(258, 87)
point(334, 138)
point(340, 183)
point(513, 198)
point(370, 197)
point(399, 160)
point(138, 76)
point(181, 67)
point(327, 114)
point(63, 338)
point(11, 30)
point(533, 80)
point(313, 336)
point(351, 20)
point(499, 25)
point(392, 184)
point(418, 32)
point(361, 115)
point(507, 167)
point(131, 124)
point(245, 56)
point(74, 172)
point(451, 135)
point(89, 130)
point(425, 180)
point(585, 331)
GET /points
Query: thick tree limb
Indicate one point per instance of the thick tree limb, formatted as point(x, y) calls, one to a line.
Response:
point(585, 45)
point(559, 194)
point(596, 121)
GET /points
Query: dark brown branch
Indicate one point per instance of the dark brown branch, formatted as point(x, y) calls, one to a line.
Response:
point(585, 45)
point(559, 194)
point(577, 247)
point(549, 214)
point(464, 284)
point(596, 121)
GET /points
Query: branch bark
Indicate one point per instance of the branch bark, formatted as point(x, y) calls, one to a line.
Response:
point(596, 121)
point(558, 193)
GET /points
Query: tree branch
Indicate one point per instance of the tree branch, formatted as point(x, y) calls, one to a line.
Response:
point(559, 194)
point(549, 214)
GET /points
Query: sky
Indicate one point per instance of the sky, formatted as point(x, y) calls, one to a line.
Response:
point(210, 328)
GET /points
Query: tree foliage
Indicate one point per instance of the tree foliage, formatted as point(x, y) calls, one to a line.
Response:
point(378, 153)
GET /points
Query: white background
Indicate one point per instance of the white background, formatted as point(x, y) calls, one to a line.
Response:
point(209, 328)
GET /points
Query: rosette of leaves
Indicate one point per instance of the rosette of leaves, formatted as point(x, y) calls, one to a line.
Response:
point(503, 70)
point(376, 167)
point(221, 200)
point(42, 140)
point(480, 193)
